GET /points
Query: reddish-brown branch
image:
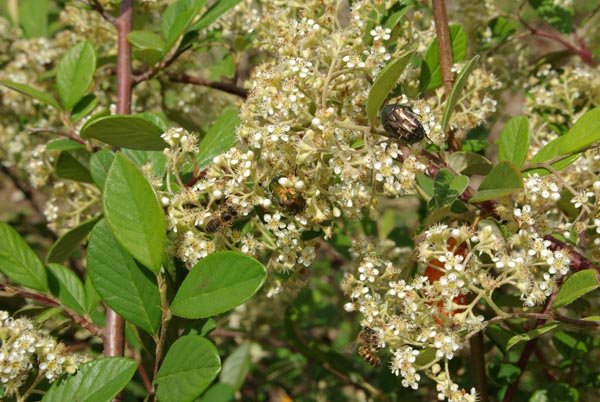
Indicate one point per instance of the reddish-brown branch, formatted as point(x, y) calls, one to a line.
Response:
point(49, 301)
point(114, 335)
point(221, 86)
point(581, 50)
point(444, 44)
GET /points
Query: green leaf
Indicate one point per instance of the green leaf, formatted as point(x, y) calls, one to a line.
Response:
point(32, 92)
point(504, 179)
point(576, 286)
point(393, 19)
point(570, 345)
point(99, 380)
point(219, 138)
point(19, 262)
point(459, 85)
point(134, 214)
point(218, 283)
point(549, 152)
point(177, 18)
point(431, 74)
point(99, 165)
point(426, 184)
point(504, 373)
point(125, 131)
point(69, 241)
point(555, 392)
point(75, 72)
point(585, 132)
point(560, 18)
point(148, 46)
point(219, 393)
point(67, 286)
point(127, 288)
point(146, 40)
point(469, 163)
point(513, 143)
point(532, 334)
point(92, 296)
point(190, 366)
point(236, 367)
point(33, 17)
point(83, 107)
point(213, 13)
point(384, 83)
point(64, 144)
point(74, 165)
point(447, 188)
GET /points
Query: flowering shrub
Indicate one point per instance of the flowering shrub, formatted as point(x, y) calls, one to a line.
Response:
point(282, 161)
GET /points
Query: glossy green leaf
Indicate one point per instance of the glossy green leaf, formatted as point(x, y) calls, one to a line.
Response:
point(32, 92)
point(219, 393)
point(503, 179)
point(83, 107)
point(431, 73)
point(384, 83)
point(213, 13)
point(74, 165)
point(559, 17)
point(395, 18)
point(513, 143)
point(532, 334)
point(190, 366)
point(75, 72)
point(127, 288)
point(575, 286)
point(178, 16)
point(469, 163)
point(64, 144)
point(549, 152)
point(572, 345)
point(125, 131)
point(69, 241)
point(19, 262)
point(585, 132)
point(134, 214)
point(555, 392)
point(67, 287)
point(99, 380)
point(219, 138)
point(33, 17)
point(447, 188)
point(459, 84)
point(236, 367)
point(99, 165)
point(218, 283)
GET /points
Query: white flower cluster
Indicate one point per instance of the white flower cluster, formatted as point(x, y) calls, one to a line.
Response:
point(26, 352)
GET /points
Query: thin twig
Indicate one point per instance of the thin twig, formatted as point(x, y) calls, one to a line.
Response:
point(95, 4)
point(221, 86)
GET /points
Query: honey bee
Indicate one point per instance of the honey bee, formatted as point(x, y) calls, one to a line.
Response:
point(368, 345)
point(287, 197)
point(223, 219)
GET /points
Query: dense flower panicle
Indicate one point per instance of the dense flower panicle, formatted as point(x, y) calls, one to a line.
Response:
point(26, 351)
